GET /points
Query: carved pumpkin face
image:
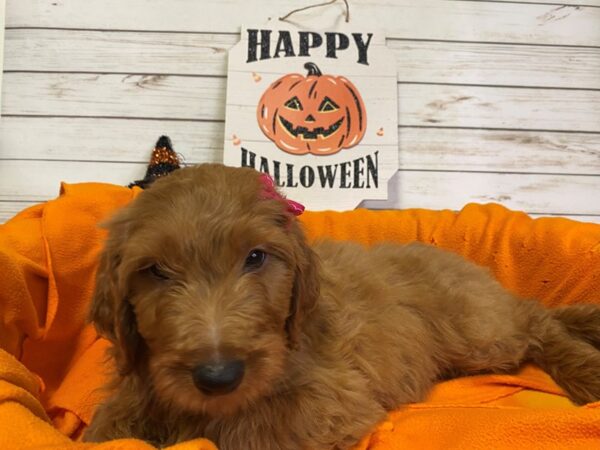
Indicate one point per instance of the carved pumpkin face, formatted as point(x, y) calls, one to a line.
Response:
point(318, 114)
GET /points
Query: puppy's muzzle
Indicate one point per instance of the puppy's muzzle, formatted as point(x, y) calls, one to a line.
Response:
point(218, 377)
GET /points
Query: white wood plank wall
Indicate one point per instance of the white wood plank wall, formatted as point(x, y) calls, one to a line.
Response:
point(498, 100)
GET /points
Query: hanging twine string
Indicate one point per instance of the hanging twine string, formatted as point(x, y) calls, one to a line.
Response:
point(316, 6)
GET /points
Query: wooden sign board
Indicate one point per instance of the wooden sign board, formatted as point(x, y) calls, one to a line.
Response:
point(315, 109)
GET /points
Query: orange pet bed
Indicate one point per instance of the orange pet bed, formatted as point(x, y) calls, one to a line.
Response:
point(52, 363)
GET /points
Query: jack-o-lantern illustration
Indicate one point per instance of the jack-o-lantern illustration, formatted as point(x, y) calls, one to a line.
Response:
point(318, 114)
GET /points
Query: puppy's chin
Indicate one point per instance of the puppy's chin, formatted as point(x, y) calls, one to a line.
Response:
point(183, 396)
point(174, 386)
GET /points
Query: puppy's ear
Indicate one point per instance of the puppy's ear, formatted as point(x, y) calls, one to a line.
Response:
point(306, 284)
point(110, 311)
point(102, 308)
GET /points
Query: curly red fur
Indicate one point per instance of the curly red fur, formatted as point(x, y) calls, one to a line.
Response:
point(333, 335)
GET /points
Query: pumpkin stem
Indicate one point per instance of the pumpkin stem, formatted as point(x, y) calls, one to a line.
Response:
point(312, 69)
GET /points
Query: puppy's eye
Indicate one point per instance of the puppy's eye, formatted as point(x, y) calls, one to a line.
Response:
point(157, 272)
point(255, 259)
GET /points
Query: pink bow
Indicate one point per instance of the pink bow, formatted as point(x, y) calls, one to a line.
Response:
point(269, 192)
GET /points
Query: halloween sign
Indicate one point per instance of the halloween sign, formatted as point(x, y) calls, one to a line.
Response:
point(314, 109)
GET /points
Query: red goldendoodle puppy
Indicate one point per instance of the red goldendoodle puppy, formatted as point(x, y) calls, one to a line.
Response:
point(226, 324)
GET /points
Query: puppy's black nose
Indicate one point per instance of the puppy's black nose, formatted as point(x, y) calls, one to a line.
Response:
point(218, 377)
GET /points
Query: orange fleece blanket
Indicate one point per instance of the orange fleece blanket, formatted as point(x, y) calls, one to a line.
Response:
point(52, 362)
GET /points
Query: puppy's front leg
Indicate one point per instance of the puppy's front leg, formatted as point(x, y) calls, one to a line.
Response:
point(332, 411)
point(108, 423)
point(125, 414)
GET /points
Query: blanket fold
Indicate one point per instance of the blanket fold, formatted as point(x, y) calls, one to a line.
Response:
point(52, 362)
